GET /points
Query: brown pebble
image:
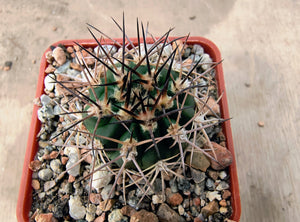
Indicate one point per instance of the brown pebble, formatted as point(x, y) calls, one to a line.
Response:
point(128, 211)
point(211, 208)
point(71, 179)
point(223, 155)
point(59, 55)
point(50, 69)
point(70, 49)
point(223, 203)
point(53, 154)
point(174, 199)
point(54, 28)
point(144, 216)
point(76, 66)
point(261, 123)
point(95, 198)
point(196, 201)
point(106, 205)
point(35, 165)
point(100, 218)
point(45, 218)
point(33, 61)
point(197, 219)
point(51, 94)
point(226, 194)
point(35, 184)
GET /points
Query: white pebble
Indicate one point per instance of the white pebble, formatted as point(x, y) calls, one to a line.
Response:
point(213, 195)
point(101, 178)
point(76, 209)
point(49, 82)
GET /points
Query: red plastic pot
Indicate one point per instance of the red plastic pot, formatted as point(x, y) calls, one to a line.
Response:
point(25, 192)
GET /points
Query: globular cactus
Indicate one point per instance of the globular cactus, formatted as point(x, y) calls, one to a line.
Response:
point(144, 109)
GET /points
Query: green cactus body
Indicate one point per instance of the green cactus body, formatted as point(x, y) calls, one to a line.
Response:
point(152, 100)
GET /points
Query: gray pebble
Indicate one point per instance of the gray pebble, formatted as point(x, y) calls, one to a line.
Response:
point(197, 175)
point(45, 100)
point(210, 184)
point(45, 174)
point(222, 186)
point(55, 165)
point(198, 49)
point(105, 192)
point(173, 185)
point(73, 166)
point(63, 68)
point(48, 185)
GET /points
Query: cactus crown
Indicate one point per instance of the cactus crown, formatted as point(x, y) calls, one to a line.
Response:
point(144, 107)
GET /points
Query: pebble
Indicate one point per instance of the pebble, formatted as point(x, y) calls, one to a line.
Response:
point(143, 216)
point(64, 160)
point(226, 194)
point(157, 199)
point(223, 155)
point(50, 69)
point(73, 166)
point(76, 209)
point(223, 210)
point(213, 174)
point(261, 123)
point(49, 185)
point(181, 210)
point(109, 49)
point(45, 100)
point(199, 161)
point(106, 205)
point(45, 218)
point(165, 213)
point(59, 55)
point(199, 188)
point(116, 216)
point(198, 49)
point(213, 195)
point(55, 165)
point(198, 176)
point(95, 198)
point(173, 185)
point(45, 174)
point(222, 186)
point(35, 165)
point(100, 218)
point(174, 199)
point(105, 192)
point(211, 208)
point(7, 65)
point(223, 203)
point(205, 58)
point(90, 212)
point(213, 105)
point(101, 178)
point(223, 175)
point(210, 184)
point(197, 201)
point(35, 184)
point(128, 210)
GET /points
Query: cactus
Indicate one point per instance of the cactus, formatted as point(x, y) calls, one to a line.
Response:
point(144, 109)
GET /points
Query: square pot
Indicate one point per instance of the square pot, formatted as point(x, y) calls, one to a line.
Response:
point(25, 192)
